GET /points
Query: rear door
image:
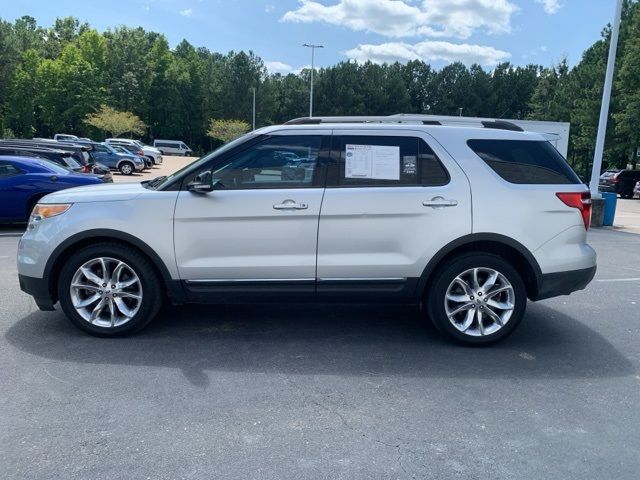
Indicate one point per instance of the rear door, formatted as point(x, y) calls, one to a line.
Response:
point(393, 199)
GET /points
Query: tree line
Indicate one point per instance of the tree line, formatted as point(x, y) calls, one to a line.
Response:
point(53, 78)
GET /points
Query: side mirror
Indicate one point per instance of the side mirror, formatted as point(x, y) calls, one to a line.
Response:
point(201, 184)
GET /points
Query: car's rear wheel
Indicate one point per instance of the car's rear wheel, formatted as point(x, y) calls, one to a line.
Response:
point(477, 299)
point(109, 290)
point(126, 168)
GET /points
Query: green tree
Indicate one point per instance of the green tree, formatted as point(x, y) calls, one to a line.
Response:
point(227, 130)
point(115, 122)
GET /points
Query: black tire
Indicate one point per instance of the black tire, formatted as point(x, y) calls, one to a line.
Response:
point(443, 278)
point(152, 297)
point(148, 162)
point(126, 168)
point(152, 160)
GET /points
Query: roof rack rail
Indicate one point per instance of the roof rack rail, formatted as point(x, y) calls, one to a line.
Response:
point(412, 119)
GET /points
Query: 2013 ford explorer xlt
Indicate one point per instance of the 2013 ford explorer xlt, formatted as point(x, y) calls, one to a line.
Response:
point(468, 221)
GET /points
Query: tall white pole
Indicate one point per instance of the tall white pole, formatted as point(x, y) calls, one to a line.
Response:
point(606, 99)
point(313, 51)
point(254, 108)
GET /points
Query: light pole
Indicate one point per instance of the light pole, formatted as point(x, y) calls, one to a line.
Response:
point(254, 108)
point(606, 98)
point(313, 51)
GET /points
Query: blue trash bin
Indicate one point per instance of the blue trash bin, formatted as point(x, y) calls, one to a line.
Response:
point(610, 201)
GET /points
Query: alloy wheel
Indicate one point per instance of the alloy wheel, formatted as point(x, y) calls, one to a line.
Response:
point(106, 292)
point(479, 301)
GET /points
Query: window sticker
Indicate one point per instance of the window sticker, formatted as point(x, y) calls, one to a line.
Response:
point(409, 165)
point(372, 161)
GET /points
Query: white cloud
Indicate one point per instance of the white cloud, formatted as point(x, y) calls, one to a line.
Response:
point(550, 6)
point(278, 67)
point(187, 12)
point(428, 51)
point(406, 18)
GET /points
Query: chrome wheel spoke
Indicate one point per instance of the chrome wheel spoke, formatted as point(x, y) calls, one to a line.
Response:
point(97, 310)
point(462, 308)
point(129, 295)
point(88, 301)
point(480, 322)
point(498, 290)
point(92, 277)
point(465, 286)
point(458, 298)
point(112, 313)
point(122, 307)
point(500, 305)
point(494, 316)
point(115, 276)
point(490, 281)
point(468, 320)
point(86, 286)
point(474, 279)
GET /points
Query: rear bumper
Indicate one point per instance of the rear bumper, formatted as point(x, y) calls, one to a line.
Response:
point(38, 288)
point(564, 283)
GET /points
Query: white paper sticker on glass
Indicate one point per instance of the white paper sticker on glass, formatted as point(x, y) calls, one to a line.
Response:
point(372, 161)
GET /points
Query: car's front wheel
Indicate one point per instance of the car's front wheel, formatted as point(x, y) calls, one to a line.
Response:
point(126, 168)
point(477, 299)
point(109, 290)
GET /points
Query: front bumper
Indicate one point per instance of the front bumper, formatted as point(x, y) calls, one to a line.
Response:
point(38, 288)
point(563, 283)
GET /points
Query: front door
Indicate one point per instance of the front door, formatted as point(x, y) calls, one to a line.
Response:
point(258, 228)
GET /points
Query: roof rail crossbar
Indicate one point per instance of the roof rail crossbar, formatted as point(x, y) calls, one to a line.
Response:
point(412, 119)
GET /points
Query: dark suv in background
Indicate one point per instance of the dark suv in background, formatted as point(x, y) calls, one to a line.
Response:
point(621, 182)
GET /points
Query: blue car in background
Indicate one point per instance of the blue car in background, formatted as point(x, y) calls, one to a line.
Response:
point(25, 180)
point(125, 163)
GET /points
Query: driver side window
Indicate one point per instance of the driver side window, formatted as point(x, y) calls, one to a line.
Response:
point(277, 162)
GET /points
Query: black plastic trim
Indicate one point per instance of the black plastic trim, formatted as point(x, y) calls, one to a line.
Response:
point(479, 237)
point(564, 283)
point(174, 287)
point(38, 288)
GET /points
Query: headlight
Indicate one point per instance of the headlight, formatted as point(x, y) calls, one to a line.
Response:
point(46, 210)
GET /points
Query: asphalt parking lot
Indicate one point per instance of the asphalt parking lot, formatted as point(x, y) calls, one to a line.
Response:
point(327, 392)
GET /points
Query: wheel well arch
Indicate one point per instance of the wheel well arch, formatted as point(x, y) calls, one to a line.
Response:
point(64, 251)
point(512, 251)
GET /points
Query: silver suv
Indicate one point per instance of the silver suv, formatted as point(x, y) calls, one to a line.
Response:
point(465, 219)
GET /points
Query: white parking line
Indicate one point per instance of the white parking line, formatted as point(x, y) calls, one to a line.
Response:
point(619, 280)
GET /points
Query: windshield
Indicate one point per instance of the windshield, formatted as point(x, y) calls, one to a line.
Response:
point(71, 162)
point(54, 167)
point(220, 150)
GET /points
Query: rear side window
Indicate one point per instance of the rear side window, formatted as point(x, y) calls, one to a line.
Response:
point(387, 161)
point(7, 169)
point(525, 161)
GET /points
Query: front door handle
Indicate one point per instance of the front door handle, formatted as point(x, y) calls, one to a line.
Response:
point(436, 202)
point(290, 205)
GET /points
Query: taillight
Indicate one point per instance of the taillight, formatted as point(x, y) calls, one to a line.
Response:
point(614, 178)
point(86, 169)
point(579, 200)
point(141, 153)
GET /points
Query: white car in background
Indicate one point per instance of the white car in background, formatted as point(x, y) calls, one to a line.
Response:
point(151, 153)
point(173, 147)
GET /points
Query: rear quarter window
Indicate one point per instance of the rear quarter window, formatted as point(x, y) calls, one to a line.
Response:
point(525, 161)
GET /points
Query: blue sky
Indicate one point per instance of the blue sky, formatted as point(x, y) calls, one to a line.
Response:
point(437, 31)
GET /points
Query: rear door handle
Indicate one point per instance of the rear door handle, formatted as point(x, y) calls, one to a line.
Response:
point(290, 205)
point(436, 202)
